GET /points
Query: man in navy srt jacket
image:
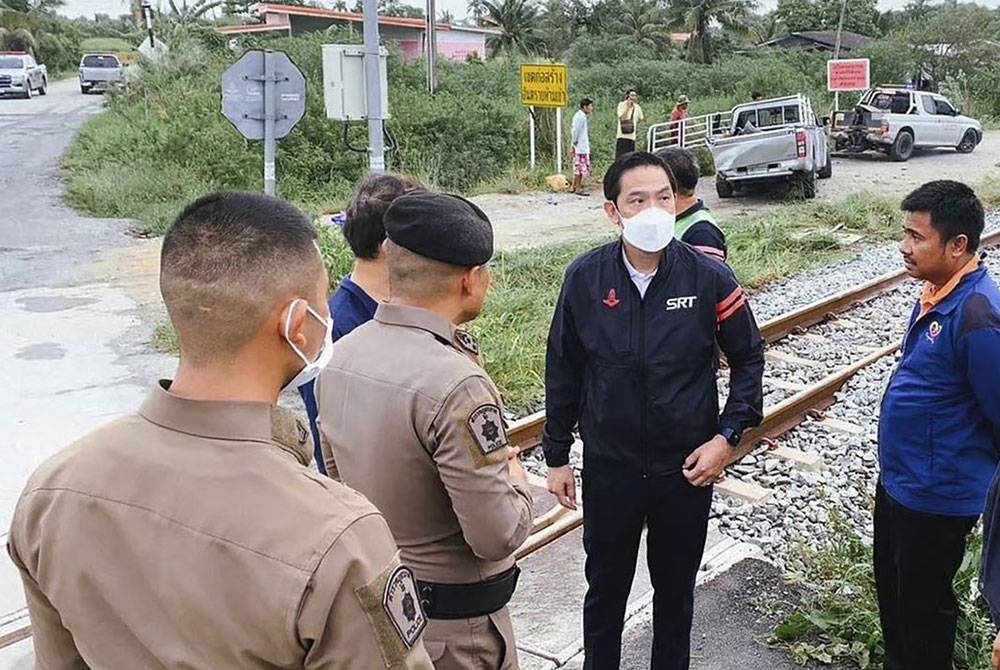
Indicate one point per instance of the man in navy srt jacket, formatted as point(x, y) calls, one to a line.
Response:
point(631, 360)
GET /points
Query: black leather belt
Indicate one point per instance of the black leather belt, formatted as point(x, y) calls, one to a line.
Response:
point(467, 601)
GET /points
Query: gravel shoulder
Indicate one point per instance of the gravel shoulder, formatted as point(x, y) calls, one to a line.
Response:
point(538, 219)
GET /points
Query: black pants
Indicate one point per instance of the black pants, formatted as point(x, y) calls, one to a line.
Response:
point(916, 558)
point(624, 146)
point(615, 509)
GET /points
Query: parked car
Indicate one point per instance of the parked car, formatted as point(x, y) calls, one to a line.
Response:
point(21, 75)
point(896, 120)
point(98, 72)
point(767, 141)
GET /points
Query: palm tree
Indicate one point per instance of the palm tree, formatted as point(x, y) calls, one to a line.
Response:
point(182, 12)
point(31, 6)
point(476, 11)
point(698, 16)
point(517, 21)
point(643, 20)
point(766, 28)
point(19, 39)
point(446, 17)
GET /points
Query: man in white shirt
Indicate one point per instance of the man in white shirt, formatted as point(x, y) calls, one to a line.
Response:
point(581, 145)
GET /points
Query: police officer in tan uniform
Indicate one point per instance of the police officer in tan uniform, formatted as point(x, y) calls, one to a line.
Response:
point(415, 424)
point(193, 533)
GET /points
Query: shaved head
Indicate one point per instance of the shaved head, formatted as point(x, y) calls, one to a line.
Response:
point(417, 277)
point(229, 262)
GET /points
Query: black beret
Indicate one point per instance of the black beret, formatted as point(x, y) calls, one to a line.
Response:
point(446, 228)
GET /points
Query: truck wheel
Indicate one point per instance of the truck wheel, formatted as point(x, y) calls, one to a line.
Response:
point(28, 93)
point(827, 170)
point(723, 187)
point(84, 89)
point(45, 87)
point(806, 184)
point(902, 148)
point(968, 143)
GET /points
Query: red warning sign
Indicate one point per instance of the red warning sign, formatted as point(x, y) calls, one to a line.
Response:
point(848, 75)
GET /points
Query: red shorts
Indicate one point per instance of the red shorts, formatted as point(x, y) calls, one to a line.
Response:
point(581, 165)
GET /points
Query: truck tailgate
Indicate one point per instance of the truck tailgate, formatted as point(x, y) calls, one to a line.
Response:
point(102, 74)
point(754, 149)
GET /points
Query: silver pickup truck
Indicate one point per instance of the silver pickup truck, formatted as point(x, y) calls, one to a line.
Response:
point(768, 141)
point(21, 75)
point(99, 72)
point(896, 120)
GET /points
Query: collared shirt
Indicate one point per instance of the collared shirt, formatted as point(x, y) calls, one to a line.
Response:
point(350, 307)
point(192, 534)
point(640, 279)
point(416, 425)
point(932, 295)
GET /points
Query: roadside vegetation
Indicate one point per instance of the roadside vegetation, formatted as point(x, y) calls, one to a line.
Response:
point(838, 620)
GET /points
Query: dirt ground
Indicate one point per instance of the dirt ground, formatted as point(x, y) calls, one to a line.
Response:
point(538, 219)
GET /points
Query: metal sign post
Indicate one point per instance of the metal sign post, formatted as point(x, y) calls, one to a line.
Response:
point(264, 96)
point(373, 90)
point(545, 86)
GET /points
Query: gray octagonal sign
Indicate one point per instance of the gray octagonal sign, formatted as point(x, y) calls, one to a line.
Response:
point(243, 91)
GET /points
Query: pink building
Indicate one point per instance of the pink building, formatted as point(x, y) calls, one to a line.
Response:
point(454, 42)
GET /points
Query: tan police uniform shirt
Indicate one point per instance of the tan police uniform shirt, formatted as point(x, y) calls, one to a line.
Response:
point(193, 535)
point(415, 424)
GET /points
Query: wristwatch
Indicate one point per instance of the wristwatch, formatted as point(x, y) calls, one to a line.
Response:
point(732, 435)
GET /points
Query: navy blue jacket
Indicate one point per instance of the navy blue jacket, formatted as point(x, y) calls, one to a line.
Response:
point(639, 374)
point(350, 307)
point(939, 428)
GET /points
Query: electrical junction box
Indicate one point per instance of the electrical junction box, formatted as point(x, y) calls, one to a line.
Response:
point(344, 86)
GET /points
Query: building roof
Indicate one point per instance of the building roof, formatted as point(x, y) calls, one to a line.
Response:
point(827, 38)
point(252, 28)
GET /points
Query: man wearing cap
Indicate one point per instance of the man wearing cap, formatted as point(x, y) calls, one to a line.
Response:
point(677, 118)
point(415, 424)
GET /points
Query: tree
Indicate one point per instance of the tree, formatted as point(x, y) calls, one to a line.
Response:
point(476, 11)
point(32, 6)
point(697, 17)
point(861, 16)
point(642, 20)
point(766, 28)
point(517, 21)
point(183, 12)
point(19, 39)
point(446, 17)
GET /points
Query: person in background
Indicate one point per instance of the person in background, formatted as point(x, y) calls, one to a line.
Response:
point(938, 430)
point(677, 117)
point(695, 224)
point(359, 293)
point(193, 534)
point(581, 145)
point(631, 360)
point(628, 117)
point(756, 96)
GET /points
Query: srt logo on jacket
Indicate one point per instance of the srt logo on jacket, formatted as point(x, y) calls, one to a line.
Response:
point(681, 302)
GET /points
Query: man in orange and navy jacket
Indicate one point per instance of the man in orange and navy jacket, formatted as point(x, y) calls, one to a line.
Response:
point(939, 428)
point(631, 360)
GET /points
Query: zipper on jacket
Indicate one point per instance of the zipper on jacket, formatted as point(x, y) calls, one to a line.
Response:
point(642, 384)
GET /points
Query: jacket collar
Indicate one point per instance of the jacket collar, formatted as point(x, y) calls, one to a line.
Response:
point(225, 420)
point(954, 298)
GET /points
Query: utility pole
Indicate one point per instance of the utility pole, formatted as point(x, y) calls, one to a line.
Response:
point(432, 46)
point(373, 89)
point(836, 49)
point(147, 15)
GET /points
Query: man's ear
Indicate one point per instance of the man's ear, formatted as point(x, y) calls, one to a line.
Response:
point(294, 314)
point(612, 213)
point(959, 245)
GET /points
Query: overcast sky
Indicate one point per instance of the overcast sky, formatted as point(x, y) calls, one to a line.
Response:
point(88, 8)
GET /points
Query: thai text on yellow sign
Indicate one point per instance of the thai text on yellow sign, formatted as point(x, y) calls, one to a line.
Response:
point(544, 86)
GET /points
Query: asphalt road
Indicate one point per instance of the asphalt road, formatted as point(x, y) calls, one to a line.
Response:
point(73, 341)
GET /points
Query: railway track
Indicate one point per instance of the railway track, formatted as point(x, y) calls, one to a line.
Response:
point(778, 419)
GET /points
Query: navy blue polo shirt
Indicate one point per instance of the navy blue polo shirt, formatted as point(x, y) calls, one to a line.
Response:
point(350, 307)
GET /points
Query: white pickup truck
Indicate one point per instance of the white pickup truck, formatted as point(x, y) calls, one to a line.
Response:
point(768, 141)
point(896, 120)
point(21, 75)
point(99, 72)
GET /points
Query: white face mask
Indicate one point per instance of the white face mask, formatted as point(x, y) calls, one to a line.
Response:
point(650, 230)
point(312, 368)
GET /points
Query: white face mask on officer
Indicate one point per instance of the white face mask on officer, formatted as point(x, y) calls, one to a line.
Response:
point(650, 230)
point(314, 367)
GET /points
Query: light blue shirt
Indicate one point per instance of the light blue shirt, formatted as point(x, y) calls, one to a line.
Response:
point(581, 133)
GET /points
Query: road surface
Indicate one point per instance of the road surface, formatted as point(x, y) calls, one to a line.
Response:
point(72, 341)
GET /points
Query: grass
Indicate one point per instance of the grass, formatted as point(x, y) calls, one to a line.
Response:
point(105, 45)
point(838, 616)
point(165, 339)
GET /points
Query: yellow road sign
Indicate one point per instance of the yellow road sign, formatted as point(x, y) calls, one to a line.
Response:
point(544, 86)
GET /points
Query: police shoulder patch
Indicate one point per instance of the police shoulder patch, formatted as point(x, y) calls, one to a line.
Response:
point(487, 428)
point(392, 604)
point(467, 341)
